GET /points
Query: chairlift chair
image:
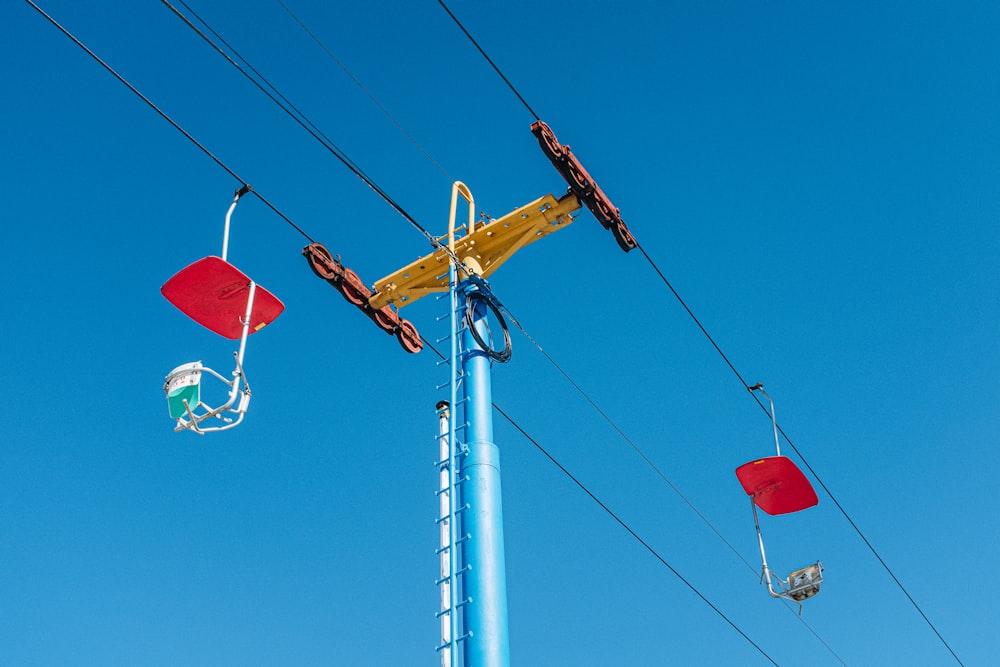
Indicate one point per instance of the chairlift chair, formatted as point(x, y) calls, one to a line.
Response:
point(778, 486)
point(221, 298)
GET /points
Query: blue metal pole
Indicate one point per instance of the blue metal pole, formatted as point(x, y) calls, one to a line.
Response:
point(486, 581)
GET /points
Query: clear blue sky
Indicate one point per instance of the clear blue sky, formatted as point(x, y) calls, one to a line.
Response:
point(820, 184)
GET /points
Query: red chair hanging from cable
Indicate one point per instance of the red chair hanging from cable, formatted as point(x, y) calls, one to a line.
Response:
point(777, 486)
point(221, 298)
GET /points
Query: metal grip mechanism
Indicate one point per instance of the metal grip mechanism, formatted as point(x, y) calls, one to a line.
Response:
point(351, 287)
point(582, 184)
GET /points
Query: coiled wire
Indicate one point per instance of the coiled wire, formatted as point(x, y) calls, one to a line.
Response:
point(472, 298)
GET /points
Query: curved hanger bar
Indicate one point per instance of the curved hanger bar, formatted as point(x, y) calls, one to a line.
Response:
point(774, 422)
point(229, 214)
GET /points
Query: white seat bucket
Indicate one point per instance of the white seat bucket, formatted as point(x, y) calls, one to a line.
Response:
point(183, 387)
point(185, 405)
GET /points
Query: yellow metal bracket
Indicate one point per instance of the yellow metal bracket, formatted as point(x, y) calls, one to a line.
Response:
point(481, 250)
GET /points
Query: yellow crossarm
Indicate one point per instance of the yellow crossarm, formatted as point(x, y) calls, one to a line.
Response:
point(481, 252)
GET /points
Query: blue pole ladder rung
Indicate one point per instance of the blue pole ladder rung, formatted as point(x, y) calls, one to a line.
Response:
point(448, 578)
point(467, 635)
point(458, 605)
point(441, 550)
